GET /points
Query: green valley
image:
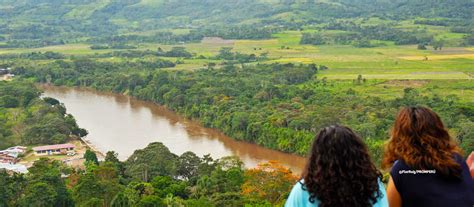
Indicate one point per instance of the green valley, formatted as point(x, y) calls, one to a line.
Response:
point(265, 72)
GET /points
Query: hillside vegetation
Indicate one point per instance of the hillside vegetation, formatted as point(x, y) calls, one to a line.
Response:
point(47, 22)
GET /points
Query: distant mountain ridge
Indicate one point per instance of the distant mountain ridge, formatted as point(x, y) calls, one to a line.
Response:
point(133, 9)
point(76, 18)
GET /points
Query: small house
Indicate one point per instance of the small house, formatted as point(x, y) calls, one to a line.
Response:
point(6, 158)
point(15, 151)
point(14, 168)
point(58, 149)
point(11, 154)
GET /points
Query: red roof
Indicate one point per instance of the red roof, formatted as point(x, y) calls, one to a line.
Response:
point(53, 147)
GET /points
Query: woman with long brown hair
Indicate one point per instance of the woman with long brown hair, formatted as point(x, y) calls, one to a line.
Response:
point(427, 168)
point(339, 172)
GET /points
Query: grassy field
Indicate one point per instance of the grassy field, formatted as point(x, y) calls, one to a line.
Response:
point(85, 11)
point(464, 89)
point(389, 62)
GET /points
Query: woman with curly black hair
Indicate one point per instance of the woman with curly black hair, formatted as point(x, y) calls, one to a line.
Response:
point(339, 172)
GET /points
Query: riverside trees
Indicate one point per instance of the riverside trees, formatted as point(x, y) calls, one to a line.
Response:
point(28, 119)
point(279, 106)
point(220, 182)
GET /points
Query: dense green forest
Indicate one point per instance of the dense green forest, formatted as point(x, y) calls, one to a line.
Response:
point(150, 177)
point(279, 106)
point(27, 119)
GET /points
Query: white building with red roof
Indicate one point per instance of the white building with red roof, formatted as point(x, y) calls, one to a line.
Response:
point(53, 149)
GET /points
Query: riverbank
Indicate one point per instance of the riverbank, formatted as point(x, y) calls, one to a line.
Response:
point(100, 154)
point(123, 124)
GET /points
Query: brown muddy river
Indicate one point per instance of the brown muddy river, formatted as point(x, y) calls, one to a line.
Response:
point(123, 124)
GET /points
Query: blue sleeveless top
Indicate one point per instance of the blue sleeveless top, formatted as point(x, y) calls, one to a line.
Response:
point(300, 198)
point(427, 188)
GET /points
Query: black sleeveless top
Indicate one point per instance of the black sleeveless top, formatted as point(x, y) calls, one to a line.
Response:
point(427, 188)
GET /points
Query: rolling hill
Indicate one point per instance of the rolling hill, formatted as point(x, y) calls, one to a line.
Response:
point(76, 19)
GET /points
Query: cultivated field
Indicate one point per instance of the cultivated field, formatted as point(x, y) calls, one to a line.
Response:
point(387, 69)
point(344, 61)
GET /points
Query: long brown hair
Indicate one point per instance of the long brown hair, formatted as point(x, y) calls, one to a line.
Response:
point(420, 139)
point(339, 171)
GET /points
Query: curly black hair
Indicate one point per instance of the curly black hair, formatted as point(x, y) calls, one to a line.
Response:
point(339, 171)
